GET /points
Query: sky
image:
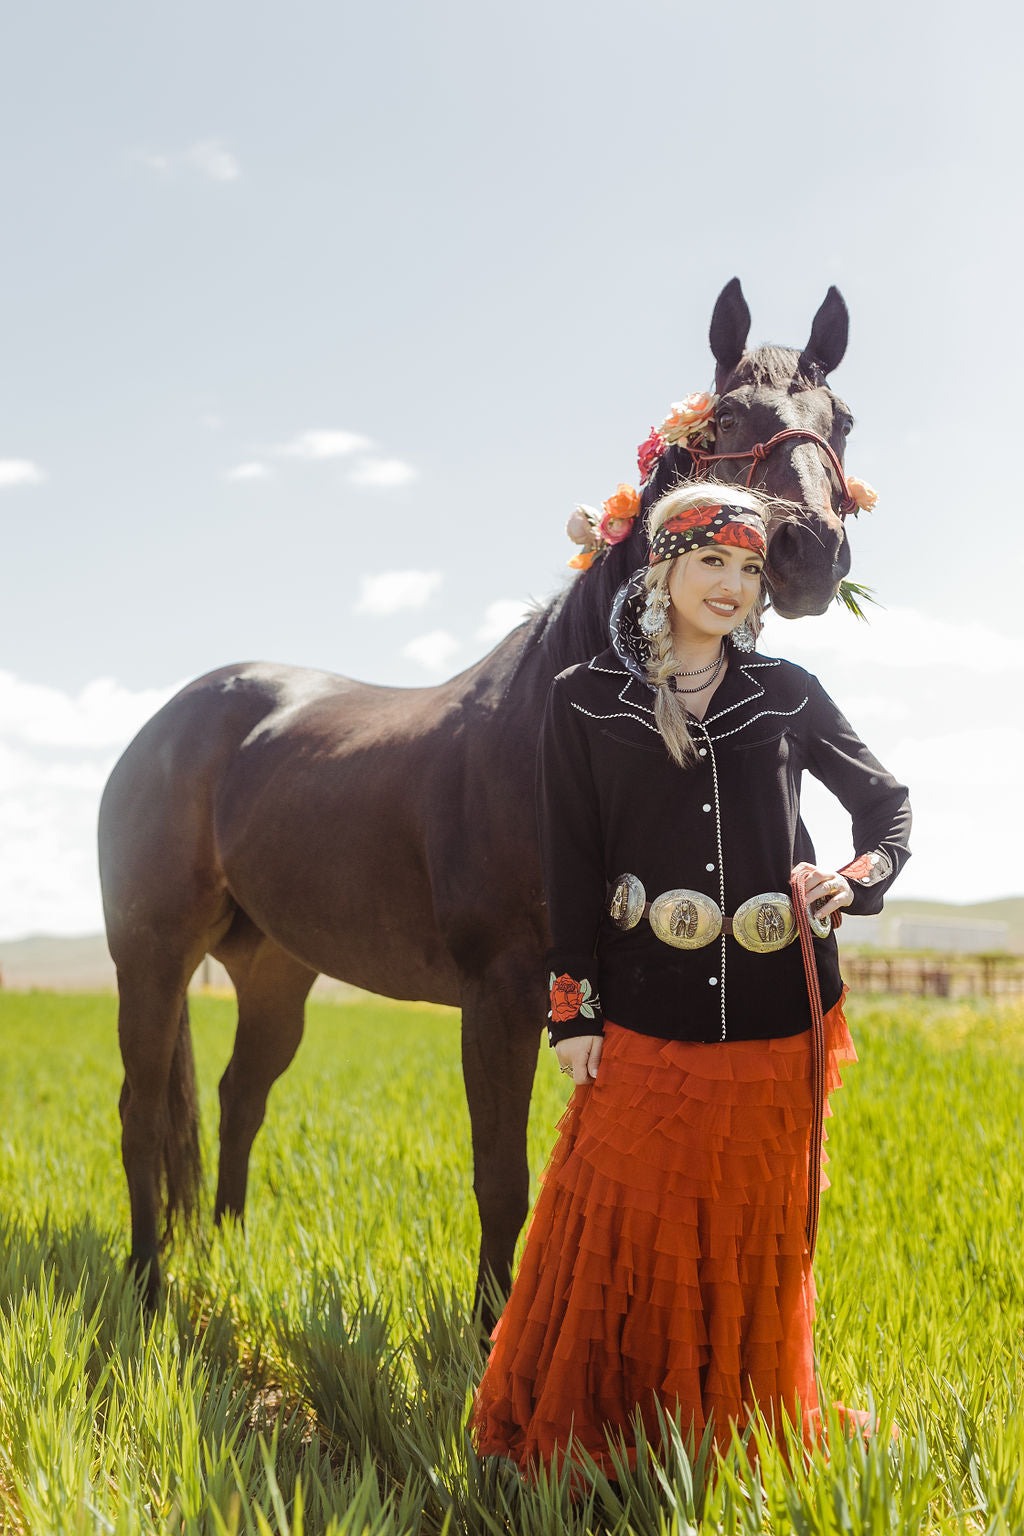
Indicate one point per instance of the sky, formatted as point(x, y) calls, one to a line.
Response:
point(319, 319)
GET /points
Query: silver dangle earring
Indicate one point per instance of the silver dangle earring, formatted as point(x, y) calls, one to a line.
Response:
point(655, 614)
point(743, 636)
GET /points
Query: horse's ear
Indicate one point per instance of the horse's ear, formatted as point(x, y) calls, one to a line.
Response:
point(829, 333)
point(730, 326)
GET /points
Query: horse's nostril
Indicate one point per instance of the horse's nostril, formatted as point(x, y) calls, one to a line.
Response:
point(784, 547)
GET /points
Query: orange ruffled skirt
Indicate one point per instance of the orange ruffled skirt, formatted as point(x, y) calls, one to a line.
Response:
point(666, 1260)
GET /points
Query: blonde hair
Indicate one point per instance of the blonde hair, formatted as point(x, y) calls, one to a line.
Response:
point(669, 709)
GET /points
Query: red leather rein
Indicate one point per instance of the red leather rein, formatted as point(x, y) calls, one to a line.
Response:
point(798, 885)
point(760, 451)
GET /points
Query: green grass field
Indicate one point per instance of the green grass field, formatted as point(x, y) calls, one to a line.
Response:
point(312, 1374)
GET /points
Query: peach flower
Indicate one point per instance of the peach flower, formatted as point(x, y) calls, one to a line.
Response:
point(688, 418)
point(863, 494)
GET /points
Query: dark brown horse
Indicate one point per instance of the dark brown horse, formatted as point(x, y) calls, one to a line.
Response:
point(291, 822)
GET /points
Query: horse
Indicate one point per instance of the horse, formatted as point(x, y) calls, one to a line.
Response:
point(291, 822)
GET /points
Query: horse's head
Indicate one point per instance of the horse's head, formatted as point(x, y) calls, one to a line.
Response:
point(774, 390)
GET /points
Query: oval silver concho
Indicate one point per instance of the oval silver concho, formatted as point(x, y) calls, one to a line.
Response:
point(628, 901)
point(821, 927)
point(686, 919)
point(765, 923)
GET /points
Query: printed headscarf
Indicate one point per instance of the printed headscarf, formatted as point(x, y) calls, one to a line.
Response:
point(697, 527)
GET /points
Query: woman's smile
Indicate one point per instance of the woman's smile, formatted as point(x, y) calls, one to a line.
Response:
point(712, 590)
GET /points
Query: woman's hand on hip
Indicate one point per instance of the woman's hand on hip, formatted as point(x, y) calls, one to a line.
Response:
point(580, 1055)
point(826, 890)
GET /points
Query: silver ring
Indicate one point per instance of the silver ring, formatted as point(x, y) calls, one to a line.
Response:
point(566, 1070)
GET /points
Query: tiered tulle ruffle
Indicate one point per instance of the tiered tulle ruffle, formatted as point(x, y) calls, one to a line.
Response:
point(666, 1259)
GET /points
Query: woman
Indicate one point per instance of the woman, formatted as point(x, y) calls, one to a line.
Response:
point(667, 1261)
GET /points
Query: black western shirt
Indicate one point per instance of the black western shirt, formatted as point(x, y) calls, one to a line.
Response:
point(612, 801)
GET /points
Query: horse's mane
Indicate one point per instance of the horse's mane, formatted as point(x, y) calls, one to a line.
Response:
point(573, 626)
point(775, 368)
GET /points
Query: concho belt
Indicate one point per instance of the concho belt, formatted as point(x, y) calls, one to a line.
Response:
point(691, 919)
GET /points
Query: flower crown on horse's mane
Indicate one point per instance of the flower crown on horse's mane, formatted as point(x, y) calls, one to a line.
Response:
point(690, 423)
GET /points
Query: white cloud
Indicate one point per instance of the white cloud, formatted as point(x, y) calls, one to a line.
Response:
point(210, 157)
point(20, 472)
point(968, 762)
point(251, 470)
point(432, 651)
point(393, 591)
point(324, 443)
point(152, 162)
point(213, 159)
point(103, 714)
point(384, 473)
point(894, 637)
point(500, 617)
point(56, 751)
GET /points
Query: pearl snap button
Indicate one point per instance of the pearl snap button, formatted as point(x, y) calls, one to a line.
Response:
point(706, 807)
point(712, 981)
point(709, 867)
point(702, 751)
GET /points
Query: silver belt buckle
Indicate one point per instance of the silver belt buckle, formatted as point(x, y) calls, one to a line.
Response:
point(767, 922)
point(685, 919)
point(629, 898)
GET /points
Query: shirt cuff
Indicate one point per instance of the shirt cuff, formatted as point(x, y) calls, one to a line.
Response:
point(574, 1005)
point(863, 872)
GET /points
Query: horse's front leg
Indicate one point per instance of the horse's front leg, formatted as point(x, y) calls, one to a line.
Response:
point(502, 1012)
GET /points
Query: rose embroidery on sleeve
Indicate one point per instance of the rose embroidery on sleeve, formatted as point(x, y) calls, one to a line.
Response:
point(569, 998)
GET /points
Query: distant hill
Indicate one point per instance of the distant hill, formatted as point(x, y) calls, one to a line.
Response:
point(82, 964)
point(883, 931)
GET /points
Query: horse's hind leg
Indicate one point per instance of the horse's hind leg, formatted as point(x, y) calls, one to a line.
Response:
point(159, 1124)
point(272, 988)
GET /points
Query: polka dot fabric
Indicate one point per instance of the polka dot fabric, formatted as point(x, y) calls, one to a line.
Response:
point(698, 527)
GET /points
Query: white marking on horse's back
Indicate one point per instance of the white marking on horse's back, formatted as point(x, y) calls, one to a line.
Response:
point(295, 690)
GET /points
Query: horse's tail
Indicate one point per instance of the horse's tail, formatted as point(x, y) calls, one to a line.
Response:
point(180, 1160)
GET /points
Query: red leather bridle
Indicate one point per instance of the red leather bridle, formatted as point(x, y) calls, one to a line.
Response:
point(760, 451)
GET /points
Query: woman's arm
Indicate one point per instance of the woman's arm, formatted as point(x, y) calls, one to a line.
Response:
point(878, 804)
point(572, 864)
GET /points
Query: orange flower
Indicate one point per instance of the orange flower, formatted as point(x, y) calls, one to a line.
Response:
point(624, 503)
point(863, 494)
point(566, 999)
point(584, 560)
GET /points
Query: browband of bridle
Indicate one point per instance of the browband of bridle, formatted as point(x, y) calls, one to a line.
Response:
point(760, 451)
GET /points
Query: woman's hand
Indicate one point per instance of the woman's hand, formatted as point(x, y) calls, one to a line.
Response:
point(826, 887)
point(580, 1055)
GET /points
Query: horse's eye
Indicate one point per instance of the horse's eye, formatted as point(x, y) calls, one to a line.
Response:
point(847, 428)
point(726, 420)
